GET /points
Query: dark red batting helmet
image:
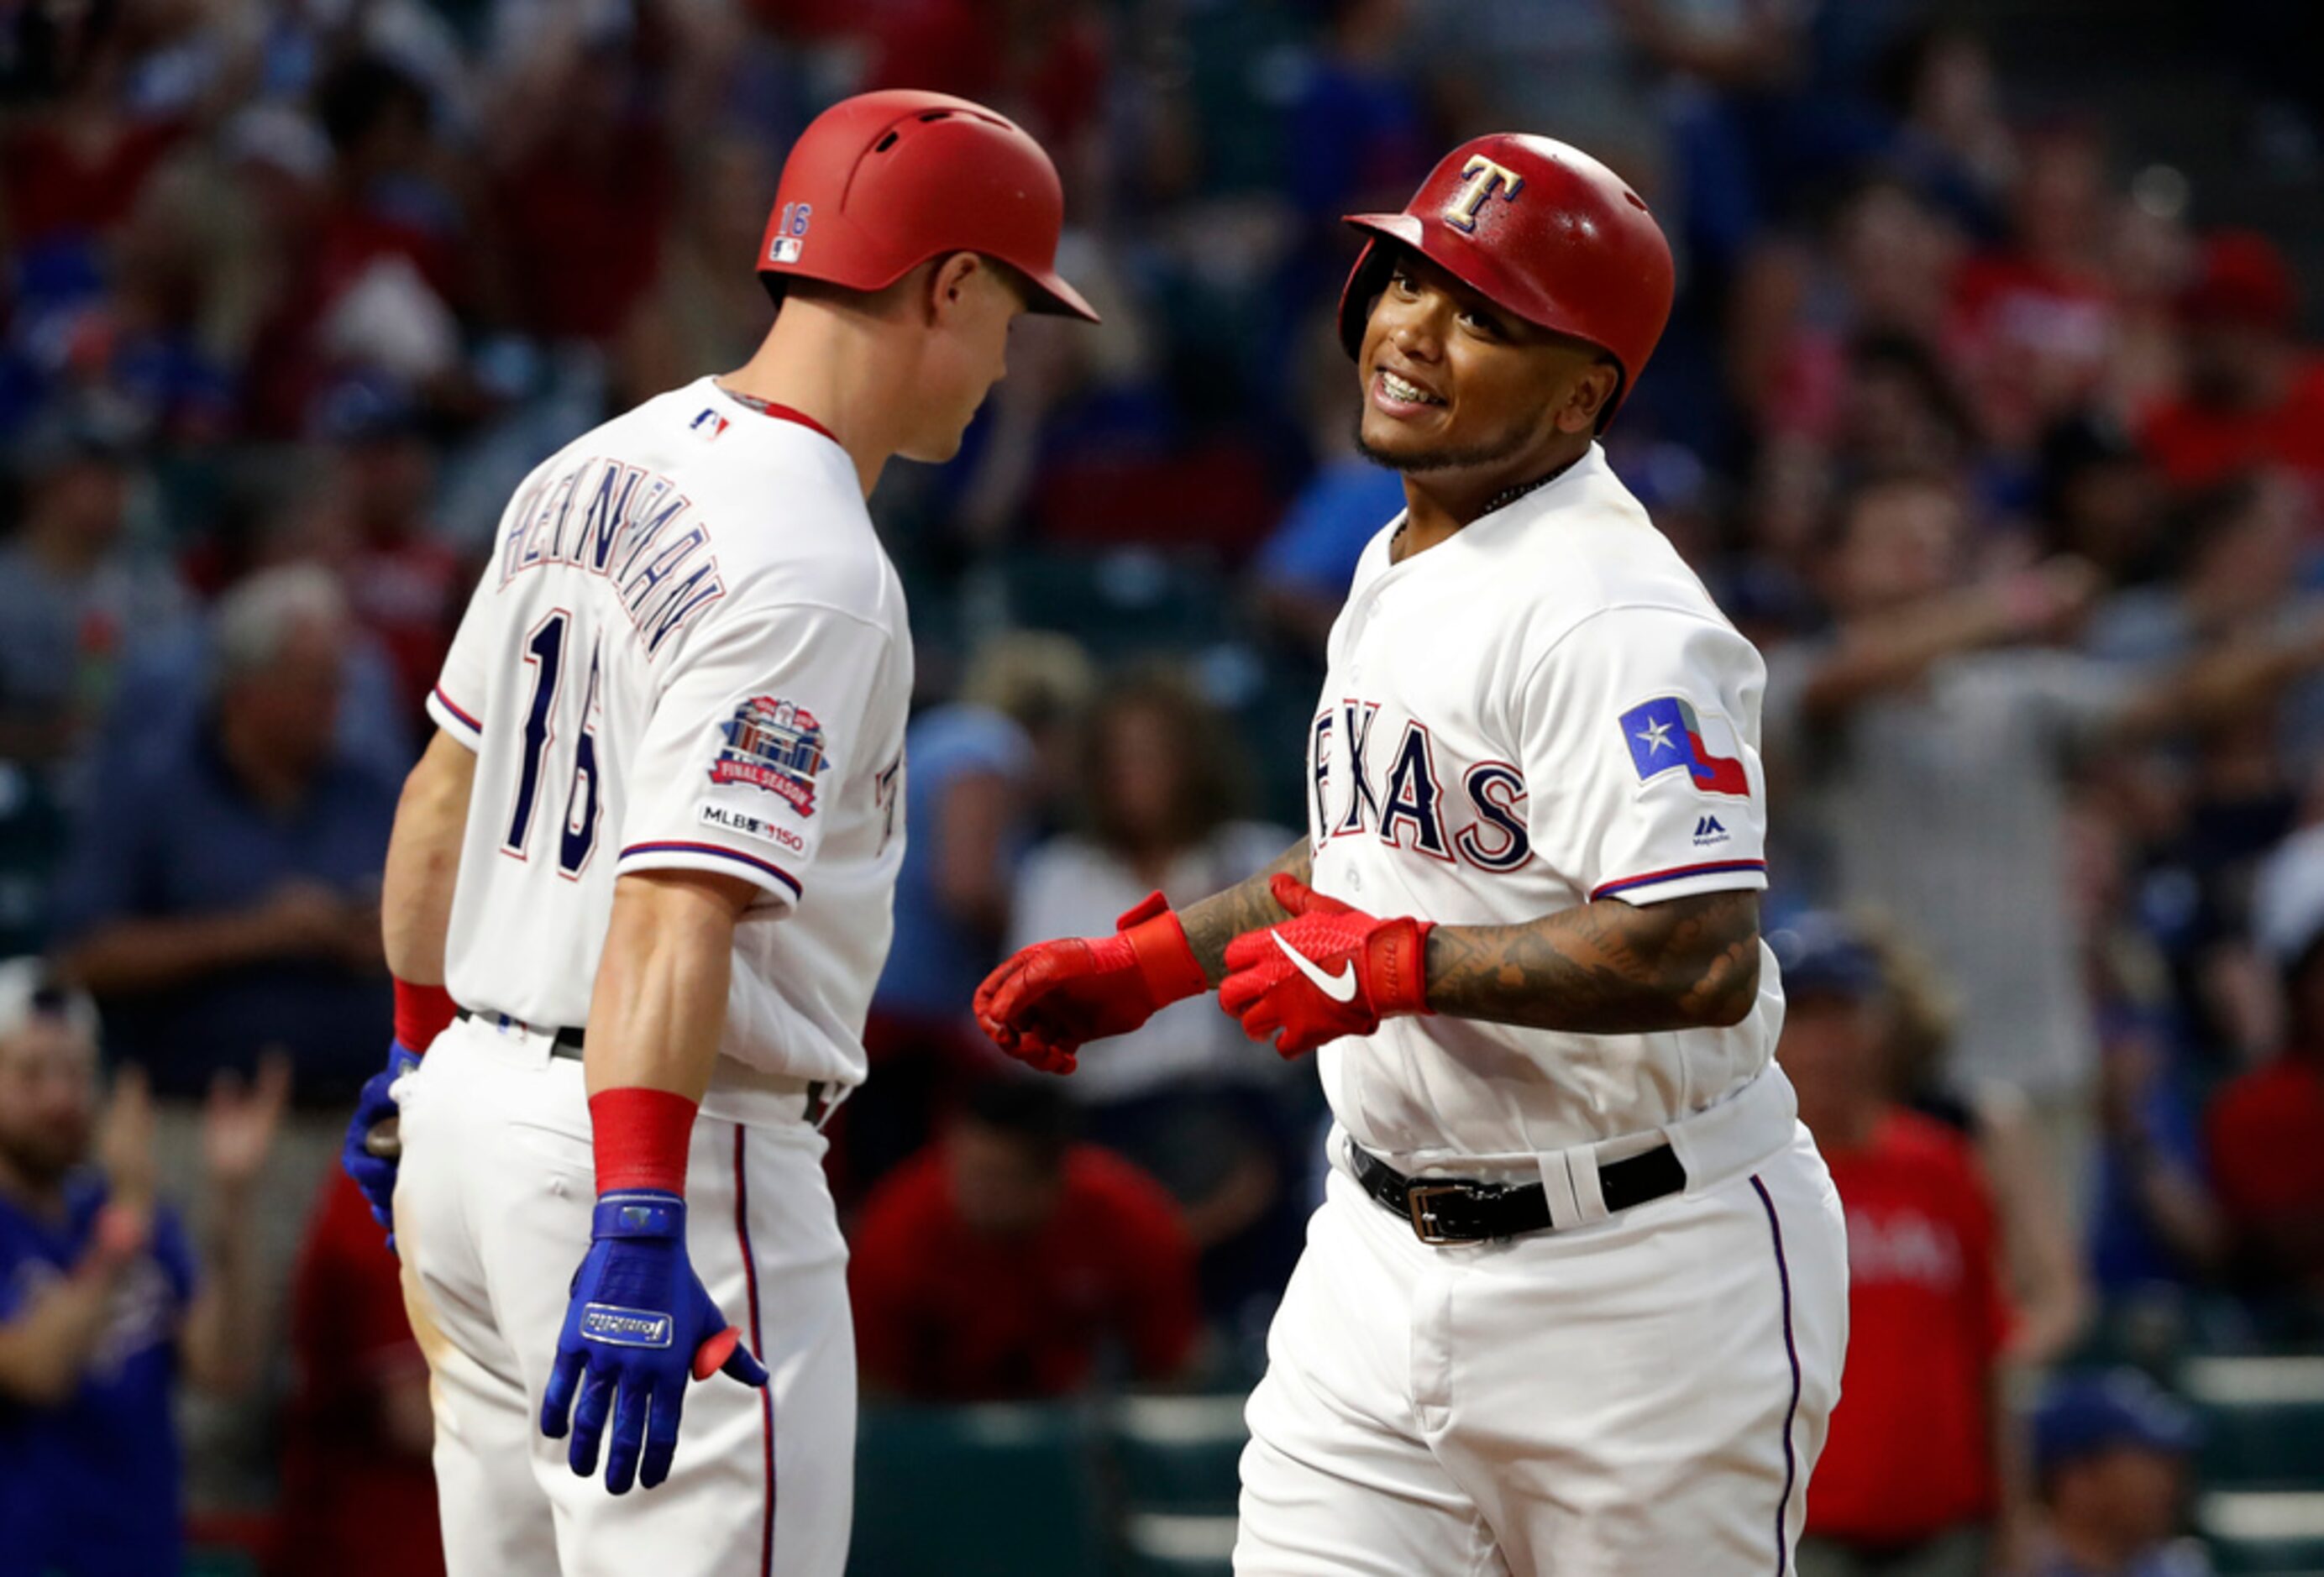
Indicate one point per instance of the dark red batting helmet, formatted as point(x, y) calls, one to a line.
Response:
point(1540, 229)
point(879, 183)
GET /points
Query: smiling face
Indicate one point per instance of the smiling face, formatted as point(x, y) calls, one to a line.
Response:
point(1453, 383)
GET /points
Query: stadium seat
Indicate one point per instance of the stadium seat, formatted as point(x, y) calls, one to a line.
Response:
point(995, 1491)
point(1164, 1545)
point(2264, 1531)
point(2262, 1419)
point(1178, 1453)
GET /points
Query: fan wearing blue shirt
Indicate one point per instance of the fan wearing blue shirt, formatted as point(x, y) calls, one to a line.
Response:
point(100, 1303)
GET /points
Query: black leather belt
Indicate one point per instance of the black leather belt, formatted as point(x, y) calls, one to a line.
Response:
point(1454, 1210)
point(564, 1043)
point(567, 1043)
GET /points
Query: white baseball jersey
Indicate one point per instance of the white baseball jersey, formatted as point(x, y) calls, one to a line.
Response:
point(688, 652)
point(1544, 709)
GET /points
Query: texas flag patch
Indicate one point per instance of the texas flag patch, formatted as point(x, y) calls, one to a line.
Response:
point(1666, 734)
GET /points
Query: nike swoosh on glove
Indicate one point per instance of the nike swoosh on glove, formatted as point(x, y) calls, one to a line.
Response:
point(1328, 970)
point(638, 1328)
point(1042, 1003)
point(374, 1170)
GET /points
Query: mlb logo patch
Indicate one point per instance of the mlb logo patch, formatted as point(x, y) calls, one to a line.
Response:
point(772, 744)
point(785, 249)
point(707, 426)
point(1667, 735)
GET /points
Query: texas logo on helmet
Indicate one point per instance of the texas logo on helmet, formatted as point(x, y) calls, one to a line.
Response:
point(1666, 734)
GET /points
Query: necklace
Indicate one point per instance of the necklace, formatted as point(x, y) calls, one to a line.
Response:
point(1502, 500)
point(1509, 496)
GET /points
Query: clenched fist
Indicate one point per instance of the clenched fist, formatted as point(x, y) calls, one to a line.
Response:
point(1328, 970)
point(1042, 1003)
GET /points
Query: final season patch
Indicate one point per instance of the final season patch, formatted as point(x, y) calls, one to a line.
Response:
point(1665, 733)
point(775, 745)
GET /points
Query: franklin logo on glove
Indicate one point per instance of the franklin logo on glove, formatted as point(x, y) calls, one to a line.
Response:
point(625, 1327)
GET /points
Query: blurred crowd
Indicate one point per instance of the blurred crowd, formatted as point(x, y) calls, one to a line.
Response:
point(2010, 460)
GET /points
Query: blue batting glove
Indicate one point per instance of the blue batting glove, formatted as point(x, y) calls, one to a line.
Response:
point(375, 1172)
point(639, 1327)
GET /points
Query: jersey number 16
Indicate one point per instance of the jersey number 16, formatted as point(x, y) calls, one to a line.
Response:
point(544, 653)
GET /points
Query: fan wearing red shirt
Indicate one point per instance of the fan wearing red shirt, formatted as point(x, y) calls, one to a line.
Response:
point(358, 1494)
point(2253, 396)
point(998, 1263)
point(2037, 322)
point(2266, 1131)
point(1908, 1482)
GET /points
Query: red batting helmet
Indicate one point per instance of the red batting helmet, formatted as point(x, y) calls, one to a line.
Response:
point(1540, 229)
point(879, 183)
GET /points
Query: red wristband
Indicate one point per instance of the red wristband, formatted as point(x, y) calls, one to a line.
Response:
point(1158, 940)
point(642, 1137)
point(422, 1012)
point(1398, 960)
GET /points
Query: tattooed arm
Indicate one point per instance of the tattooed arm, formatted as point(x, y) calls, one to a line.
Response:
point(1604, 968)
point(1247, 906)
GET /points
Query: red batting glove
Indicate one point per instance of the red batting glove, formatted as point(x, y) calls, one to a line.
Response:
point(1042, 1004)
point(1328, 970)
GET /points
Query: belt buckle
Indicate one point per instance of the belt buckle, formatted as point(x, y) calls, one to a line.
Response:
point(1423, 1219)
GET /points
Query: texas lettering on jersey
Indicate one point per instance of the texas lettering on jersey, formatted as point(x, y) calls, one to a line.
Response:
point(1404, 800)
point(628, 525)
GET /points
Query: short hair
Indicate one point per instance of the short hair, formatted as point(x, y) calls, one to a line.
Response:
point(1839, 515)
point(32, 989)
point(356, 96)
point(1033, 1112)
point(1035, 677)
point(254, 621)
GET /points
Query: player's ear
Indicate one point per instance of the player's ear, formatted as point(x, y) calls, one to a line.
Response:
point(1587, 396)
point(949, 283)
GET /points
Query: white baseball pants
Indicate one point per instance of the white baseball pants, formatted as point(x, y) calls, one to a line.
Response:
point(492, 1217)
point(1644, 1396)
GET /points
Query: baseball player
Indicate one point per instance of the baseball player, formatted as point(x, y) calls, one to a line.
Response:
point(1574, 1302)
point(650, 854)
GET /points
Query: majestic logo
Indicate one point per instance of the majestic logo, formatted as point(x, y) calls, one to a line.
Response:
point(1666, 734)
point(1482, 178)
point(1339, 987)
point(619, 1327)
point(1708, 830)
point(775, 745)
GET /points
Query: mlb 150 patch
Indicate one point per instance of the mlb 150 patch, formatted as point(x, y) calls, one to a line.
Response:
point(772, 744)
point(1667, 735)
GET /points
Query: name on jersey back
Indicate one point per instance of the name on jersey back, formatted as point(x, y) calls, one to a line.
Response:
point(628, 525)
